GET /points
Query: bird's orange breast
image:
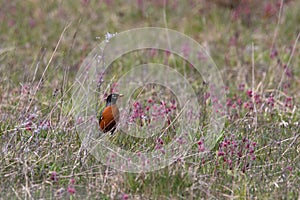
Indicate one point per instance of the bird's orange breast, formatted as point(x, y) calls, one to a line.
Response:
point(109, 118)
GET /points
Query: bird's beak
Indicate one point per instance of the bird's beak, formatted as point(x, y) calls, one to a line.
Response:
point(120, 95)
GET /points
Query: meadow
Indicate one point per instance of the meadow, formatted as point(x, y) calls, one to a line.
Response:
point(255, 46)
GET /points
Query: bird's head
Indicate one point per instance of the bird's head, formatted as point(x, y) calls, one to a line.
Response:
point(112, 98)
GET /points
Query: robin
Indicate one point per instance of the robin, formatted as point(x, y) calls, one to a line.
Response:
point(110, 114)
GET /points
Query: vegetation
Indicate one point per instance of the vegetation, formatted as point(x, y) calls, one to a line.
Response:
point(254, 45)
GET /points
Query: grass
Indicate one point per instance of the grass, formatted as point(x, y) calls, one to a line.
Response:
point(254, 45)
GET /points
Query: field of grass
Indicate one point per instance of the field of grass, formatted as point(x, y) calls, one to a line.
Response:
point(254, 44)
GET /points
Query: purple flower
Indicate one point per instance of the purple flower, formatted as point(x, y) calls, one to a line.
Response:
point(274, 53)
point(186, 50)
point(125, 196)
point(249, 93)
point(239, 101)
point(290, 168)
point(71, 190)
point(72, 181)
point(54, 177)
point(241, 87)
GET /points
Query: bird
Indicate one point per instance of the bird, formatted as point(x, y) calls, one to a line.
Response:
point(109, 116)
